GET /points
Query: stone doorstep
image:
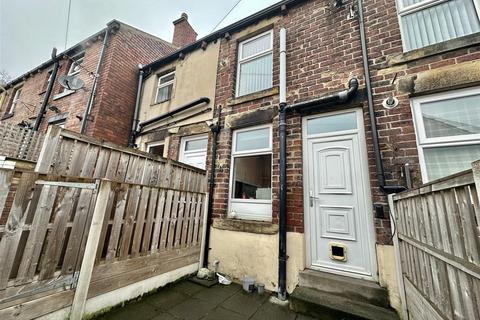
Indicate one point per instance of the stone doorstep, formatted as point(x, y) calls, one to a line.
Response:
point(327, 306)
point(350, 288)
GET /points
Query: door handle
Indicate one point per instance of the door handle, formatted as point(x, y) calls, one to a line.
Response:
point(312, 197)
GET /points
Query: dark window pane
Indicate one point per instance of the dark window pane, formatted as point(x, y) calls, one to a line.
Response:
point(158, 150)
point(253, 177)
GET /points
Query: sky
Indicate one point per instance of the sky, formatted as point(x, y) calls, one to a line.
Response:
point(29, 29)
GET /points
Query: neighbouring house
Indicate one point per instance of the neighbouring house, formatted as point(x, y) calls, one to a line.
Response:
point(380, 96)
point(107, 63)
point(176, 100)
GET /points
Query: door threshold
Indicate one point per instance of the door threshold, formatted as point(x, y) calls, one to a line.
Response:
point(344, 273)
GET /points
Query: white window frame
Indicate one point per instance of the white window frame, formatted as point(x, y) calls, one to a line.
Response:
point(241, 60)
point(416, 7)
point(183, 144)
point(156, 144)
point(159, 86)
point(427, 143)
point(15, 100)
point(266, 204)
point(77, 60)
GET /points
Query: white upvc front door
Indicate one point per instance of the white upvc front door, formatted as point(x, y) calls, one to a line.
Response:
point(338, 214)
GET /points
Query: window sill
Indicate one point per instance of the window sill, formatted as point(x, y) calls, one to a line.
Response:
point(8, 116)
point(253, 96)
point(160, 103)
point(434, 49)
point(249, 226)
point(63, 94)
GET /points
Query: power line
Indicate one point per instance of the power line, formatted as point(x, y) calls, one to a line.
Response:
point(225, 16)
point(68, 22)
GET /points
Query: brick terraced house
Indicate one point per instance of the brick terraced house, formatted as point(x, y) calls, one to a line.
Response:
point(376, 96)
point(103, 107)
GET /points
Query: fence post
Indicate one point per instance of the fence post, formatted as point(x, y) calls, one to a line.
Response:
point(89, 255)
point(49, 146)
point(476, 176)
point(398, 258)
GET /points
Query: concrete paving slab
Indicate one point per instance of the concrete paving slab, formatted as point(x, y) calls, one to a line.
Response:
point(192, 309)
point(245, 303)
point(188, 287)
point(138, 310)
point(270, 311)
point(223, 314)
point(166, 299)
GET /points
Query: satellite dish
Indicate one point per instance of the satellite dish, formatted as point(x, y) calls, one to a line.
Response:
point(71, 82)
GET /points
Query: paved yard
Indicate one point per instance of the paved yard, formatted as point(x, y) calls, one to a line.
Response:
point(187, 300)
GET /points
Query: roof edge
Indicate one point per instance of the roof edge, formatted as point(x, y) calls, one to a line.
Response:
point(257, 16)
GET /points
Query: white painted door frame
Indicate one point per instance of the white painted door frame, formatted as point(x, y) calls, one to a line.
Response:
point(367, 198)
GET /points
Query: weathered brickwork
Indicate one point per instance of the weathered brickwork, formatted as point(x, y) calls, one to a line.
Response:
point(114, 103)
point(323, 52)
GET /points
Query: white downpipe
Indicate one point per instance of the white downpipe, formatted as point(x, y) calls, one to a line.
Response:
point(283, 65)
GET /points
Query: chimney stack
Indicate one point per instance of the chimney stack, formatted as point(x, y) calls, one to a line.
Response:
point(183, 33)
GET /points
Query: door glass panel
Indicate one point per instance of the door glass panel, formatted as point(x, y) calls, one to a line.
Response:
point(252, 177)
point(338, 122)
point(443, 161)
point(452, 117)
point(253, 139)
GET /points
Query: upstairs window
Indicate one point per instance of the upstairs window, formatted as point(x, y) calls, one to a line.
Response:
point(165, 87)
point(15, 101)
point(448, 132)
point(76, 65)
point(426, 22)
point(255, 64)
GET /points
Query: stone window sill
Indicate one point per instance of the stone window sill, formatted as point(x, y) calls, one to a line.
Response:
point(63, 94)
point(253, 96)
point(434, 49)
point(249, 226)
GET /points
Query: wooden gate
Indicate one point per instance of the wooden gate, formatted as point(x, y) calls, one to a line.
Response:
point(437, 243)
point(42, 240)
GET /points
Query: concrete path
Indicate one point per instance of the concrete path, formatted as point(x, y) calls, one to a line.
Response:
point(189, 301)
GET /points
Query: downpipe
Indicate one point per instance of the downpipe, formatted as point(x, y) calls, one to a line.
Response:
point(48, 93)
point(380, 170)
point(282, 219)
point(136, 120)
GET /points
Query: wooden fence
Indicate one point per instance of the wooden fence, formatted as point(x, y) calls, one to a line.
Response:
point(437, 242)
point(20, 143)
point(95, 218)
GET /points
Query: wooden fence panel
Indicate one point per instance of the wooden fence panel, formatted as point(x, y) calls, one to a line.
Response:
point(438, 239)
point(19, 142)
point(34, 238)
point(68, 153)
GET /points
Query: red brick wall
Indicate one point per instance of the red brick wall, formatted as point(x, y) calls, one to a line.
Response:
point(320, 60)
point(34, 86)
point(323, 53)
point(115, 102)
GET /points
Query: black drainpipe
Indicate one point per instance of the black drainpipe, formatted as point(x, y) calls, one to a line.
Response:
point(333, 99)
point(174, 112)
point(48, 93)
point(380, 171)
point(215, 128)
point(282, 217)
point(91, 98)
point(131, 143)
